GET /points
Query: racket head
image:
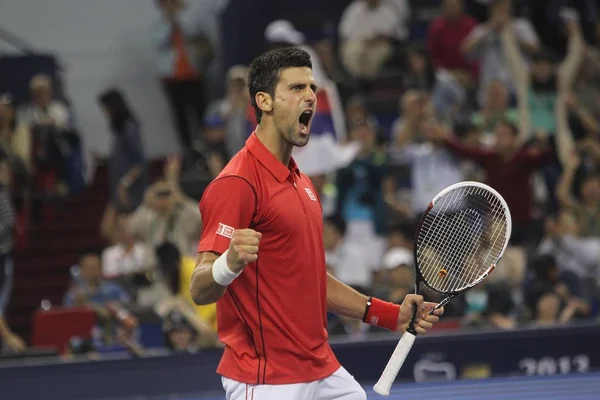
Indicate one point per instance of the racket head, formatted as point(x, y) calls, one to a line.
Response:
point(468, 217)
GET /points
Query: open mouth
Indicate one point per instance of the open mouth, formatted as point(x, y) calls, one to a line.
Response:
point(304, 120)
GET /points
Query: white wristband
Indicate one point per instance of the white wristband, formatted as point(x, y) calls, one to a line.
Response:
point(221, 272)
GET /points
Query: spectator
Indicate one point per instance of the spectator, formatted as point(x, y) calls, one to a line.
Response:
point(167, 215)
point(587, 208)
point(344, 260)
point(233, 108)
point(15, 136)
point(418, 74)
point(127, 162)
point(129, 262)
point(445, 36)
point(574, 254)
point(543, 90)
point(509, 169)
point(52, 139)
point(496, 108)
point(182, 55)
point(406, 128)
point(546, 277)
point(486, 44)
point(92, 289)
point(432, 167)
point(44, 110)
point(398, 263)
point(367, 29)
point(175, 300)
point(7, 221)
point(214, 146)
point(180, 335)
point(360, 198)
point(489, 304)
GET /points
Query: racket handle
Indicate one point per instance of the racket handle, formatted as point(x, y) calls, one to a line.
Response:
point(384, 384)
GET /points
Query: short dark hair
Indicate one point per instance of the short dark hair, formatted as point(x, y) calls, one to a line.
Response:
point(265, 71)
point(118, 108)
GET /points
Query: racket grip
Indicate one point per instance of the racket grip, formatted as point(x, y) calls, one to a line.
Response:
point(384, 384)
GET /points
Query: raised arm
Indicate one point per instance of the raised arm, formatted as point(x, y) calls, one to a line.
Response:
point(226, 245)
point(566, 75)
point(519, 71)
point(565, 183)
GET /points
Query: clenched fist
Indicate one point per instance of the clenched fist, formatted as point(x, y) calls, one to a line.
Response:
point(243, 249)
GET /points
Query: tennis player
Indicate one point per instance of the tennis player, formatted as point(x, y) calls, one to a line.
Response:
point(261, 255)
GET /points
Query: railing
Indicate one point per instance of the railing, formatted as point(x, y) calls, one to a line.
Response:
point(448, 356)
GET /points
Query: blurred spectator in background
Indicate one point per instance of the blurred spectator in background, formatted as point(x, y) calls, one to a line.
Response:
point(360, 198)
point(52, 138)
point(344, 260)
point(587, 206)
point(176, 301)
point(399, 273)
point(406, 128)
point(183, 53)
point(495, 109)
point(128, 178)
point(445, 36)
point(167, 214)
point(128, 261)
point(547, 278)
point(15, 136)
point(486, 43)
point(44, 109)
point(576, 255)
point(214, 143)
point(7, 221)
point(542, 89)
point(91, 289)
point(508, 169)
point(419, 73)
point(233, 108)
point(367, 30)
point(180, 336)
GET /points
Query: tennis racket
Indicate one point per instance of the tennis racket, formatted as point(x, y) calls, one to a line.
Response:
point(459, 240)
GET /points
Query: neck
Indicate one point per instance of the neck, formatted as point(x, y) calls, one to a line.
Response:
point(269, 137)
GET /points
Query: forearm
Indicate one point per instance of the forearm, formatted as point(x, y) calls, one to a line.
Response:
point(563, 188)
point(203, 289)
point(4, 329)
point(132, 175)
point(343, 300)
point(520, 73)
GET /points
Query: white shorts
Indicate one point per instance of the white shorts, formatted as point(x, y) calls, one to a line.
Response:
point(339, 386)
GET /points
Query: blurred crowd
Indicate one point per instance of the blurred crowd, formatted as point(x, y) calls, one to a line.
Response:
point(489, 94)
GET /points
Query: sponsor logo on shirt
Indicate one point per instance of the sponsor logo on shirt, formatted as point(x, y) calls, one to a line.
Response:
point(225, 230)
point(310, 194)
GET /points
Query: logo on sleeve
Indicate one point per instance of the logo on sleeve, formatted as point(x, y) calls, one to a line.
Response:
point(225, 230)
point(310, 194)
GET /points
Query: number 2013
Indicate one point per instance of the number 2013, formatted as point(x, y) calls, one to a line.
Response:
point(553, 366)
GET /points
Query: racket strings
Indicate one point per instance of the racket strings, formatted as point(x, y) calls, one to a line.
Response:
point(461, 238)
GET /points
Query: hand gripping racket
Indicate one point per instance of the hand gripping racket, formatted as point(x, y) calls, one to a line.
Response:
point(459, 240)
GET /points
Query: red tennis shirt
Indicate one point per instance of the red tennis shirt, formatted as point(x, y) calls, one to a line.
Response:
point(273, 317)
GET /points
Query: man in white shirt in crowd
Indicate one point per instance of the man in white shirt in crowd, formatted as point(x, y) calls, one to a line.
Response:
point(367, 30)
point(485, 44)
point(44, 109)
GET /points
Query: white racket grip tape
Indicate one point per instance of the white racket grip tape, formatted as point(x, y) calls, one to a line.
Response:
point(385, 382)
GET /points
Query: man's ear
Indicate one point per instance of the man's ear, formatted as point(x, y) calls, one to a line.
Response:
point(264, 101)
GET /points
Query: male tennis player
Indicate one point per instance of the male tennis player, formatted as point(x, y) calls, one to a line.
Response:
point(272, 303)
